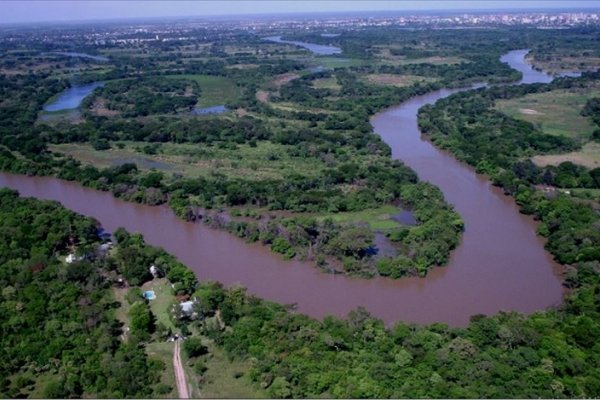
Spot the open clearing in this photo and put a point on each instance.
(388, 58)
(377, 218)
(588, 156)
(338, 62)
(326, 83)
(214, 90)
(265, 161)
(274, 85)
(556, 112)
(225, 378)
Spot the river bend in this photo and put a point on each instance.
(499, 265)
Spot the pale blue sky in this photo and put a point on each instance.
(30, 11)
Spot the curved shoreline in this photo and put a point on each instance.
(482, 278)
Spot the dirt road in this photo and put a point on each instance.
(182, 388)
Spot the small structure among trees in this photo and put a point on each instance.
(186, 309)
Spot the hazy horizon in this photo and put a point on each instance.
(73, 11)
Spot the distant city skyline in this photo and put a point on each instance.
(62, 11)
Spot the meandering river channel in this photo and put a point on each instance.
(499, 265)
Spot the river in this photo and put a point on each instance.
(84, 55)
(317, 49)
(499, 265)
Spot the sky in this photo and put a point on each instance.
(80, 10)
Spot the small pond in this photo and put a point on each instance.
(405, 217)
(220, 109)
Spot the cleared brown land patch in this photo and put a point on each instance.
(277, 82)
(262, 96)
(242, 66)
(282, 79)
(588, 156)
(529, 111)
(99, 108)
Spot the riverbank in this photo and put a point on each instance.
(483, 277)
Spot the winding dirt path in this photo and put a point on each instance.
(182, 388)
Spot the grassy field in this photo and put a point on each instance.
(436, 60)
(592, 194)
(121, 312)
(265, 161)
(163, 351)
(396, 80)
(227, 379)
(556, 112)
(377, 218)
(288, 106)
(326, 83)
(388, 58)
(338, 62)
(588, 156)
(215, 90)
(164, 299)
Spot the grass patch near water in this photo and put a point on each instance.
(588, 156)
(215, 90)
(265, 161)
(377, 218)
(557, 112)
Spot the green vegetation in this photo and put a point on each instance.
(255, 162)
(338, 62)
(326, 83)
(579, 52)
(298, 168)
(298, 151)
(377, 218)
(58, 318)
(214, 90)
(227, 377)
(557, 112)
(244, 347)
(468, 125)
(588, 156)
(396, 80)
(146, 96)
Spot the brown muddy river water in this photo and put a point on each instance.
(499, 265)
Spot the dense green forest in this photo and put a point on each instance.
(58, 333)
(60, 336)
